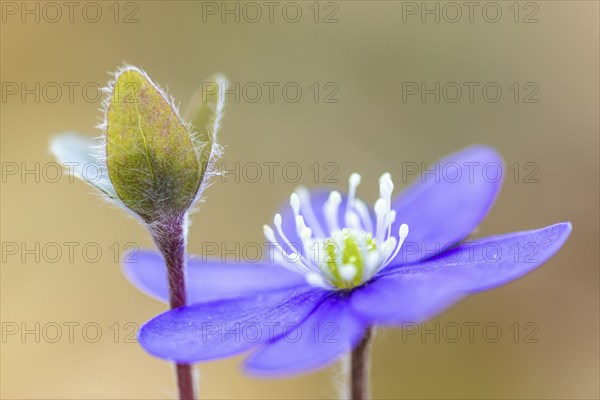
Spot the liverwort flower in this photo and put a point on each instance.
(155, 164)
(339, 267)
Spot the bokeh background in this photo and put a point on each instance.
(367, 54)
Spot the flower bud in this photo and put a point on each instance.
(157, 164)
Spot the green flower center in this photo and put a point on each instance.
(349, 256)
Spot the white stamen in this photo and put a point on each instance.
(331, 209)
(326, 272)
(380, 212)
(348, 272)
(353, 221)
(295, 203)
(305, 234)
(371, 263)
(386, 187)
(277, 221)
(386, 181)
(370, 236)
(303, 231)
(290, 261)
(402, 234)
(279, 254)
(307, 210)
(380, 207)
(353, 183)
(363, 210)
(317, 280)
(269, 233)
(388, 247)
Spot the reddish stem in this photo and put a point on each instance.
(360, 369)
(171, 240)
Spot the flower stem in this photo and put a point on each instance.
(170, 238)
(360, 368)
(185, 381)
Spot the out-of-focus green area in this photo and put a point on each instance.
(355, 113)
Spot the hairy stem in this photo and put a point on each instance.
(360, 368)
(170, 238)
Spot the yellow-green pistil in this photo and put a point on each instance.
(347, 254)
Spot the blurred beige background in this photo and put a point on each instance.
(367, 55)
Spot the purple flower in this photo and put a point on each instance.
(339, 267)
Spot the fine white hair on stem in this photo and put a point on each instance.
(341, 374)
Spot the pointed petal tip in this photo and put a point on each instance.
(565, 229)
(567, 225)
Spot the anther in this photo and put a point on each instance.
(330, 210)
